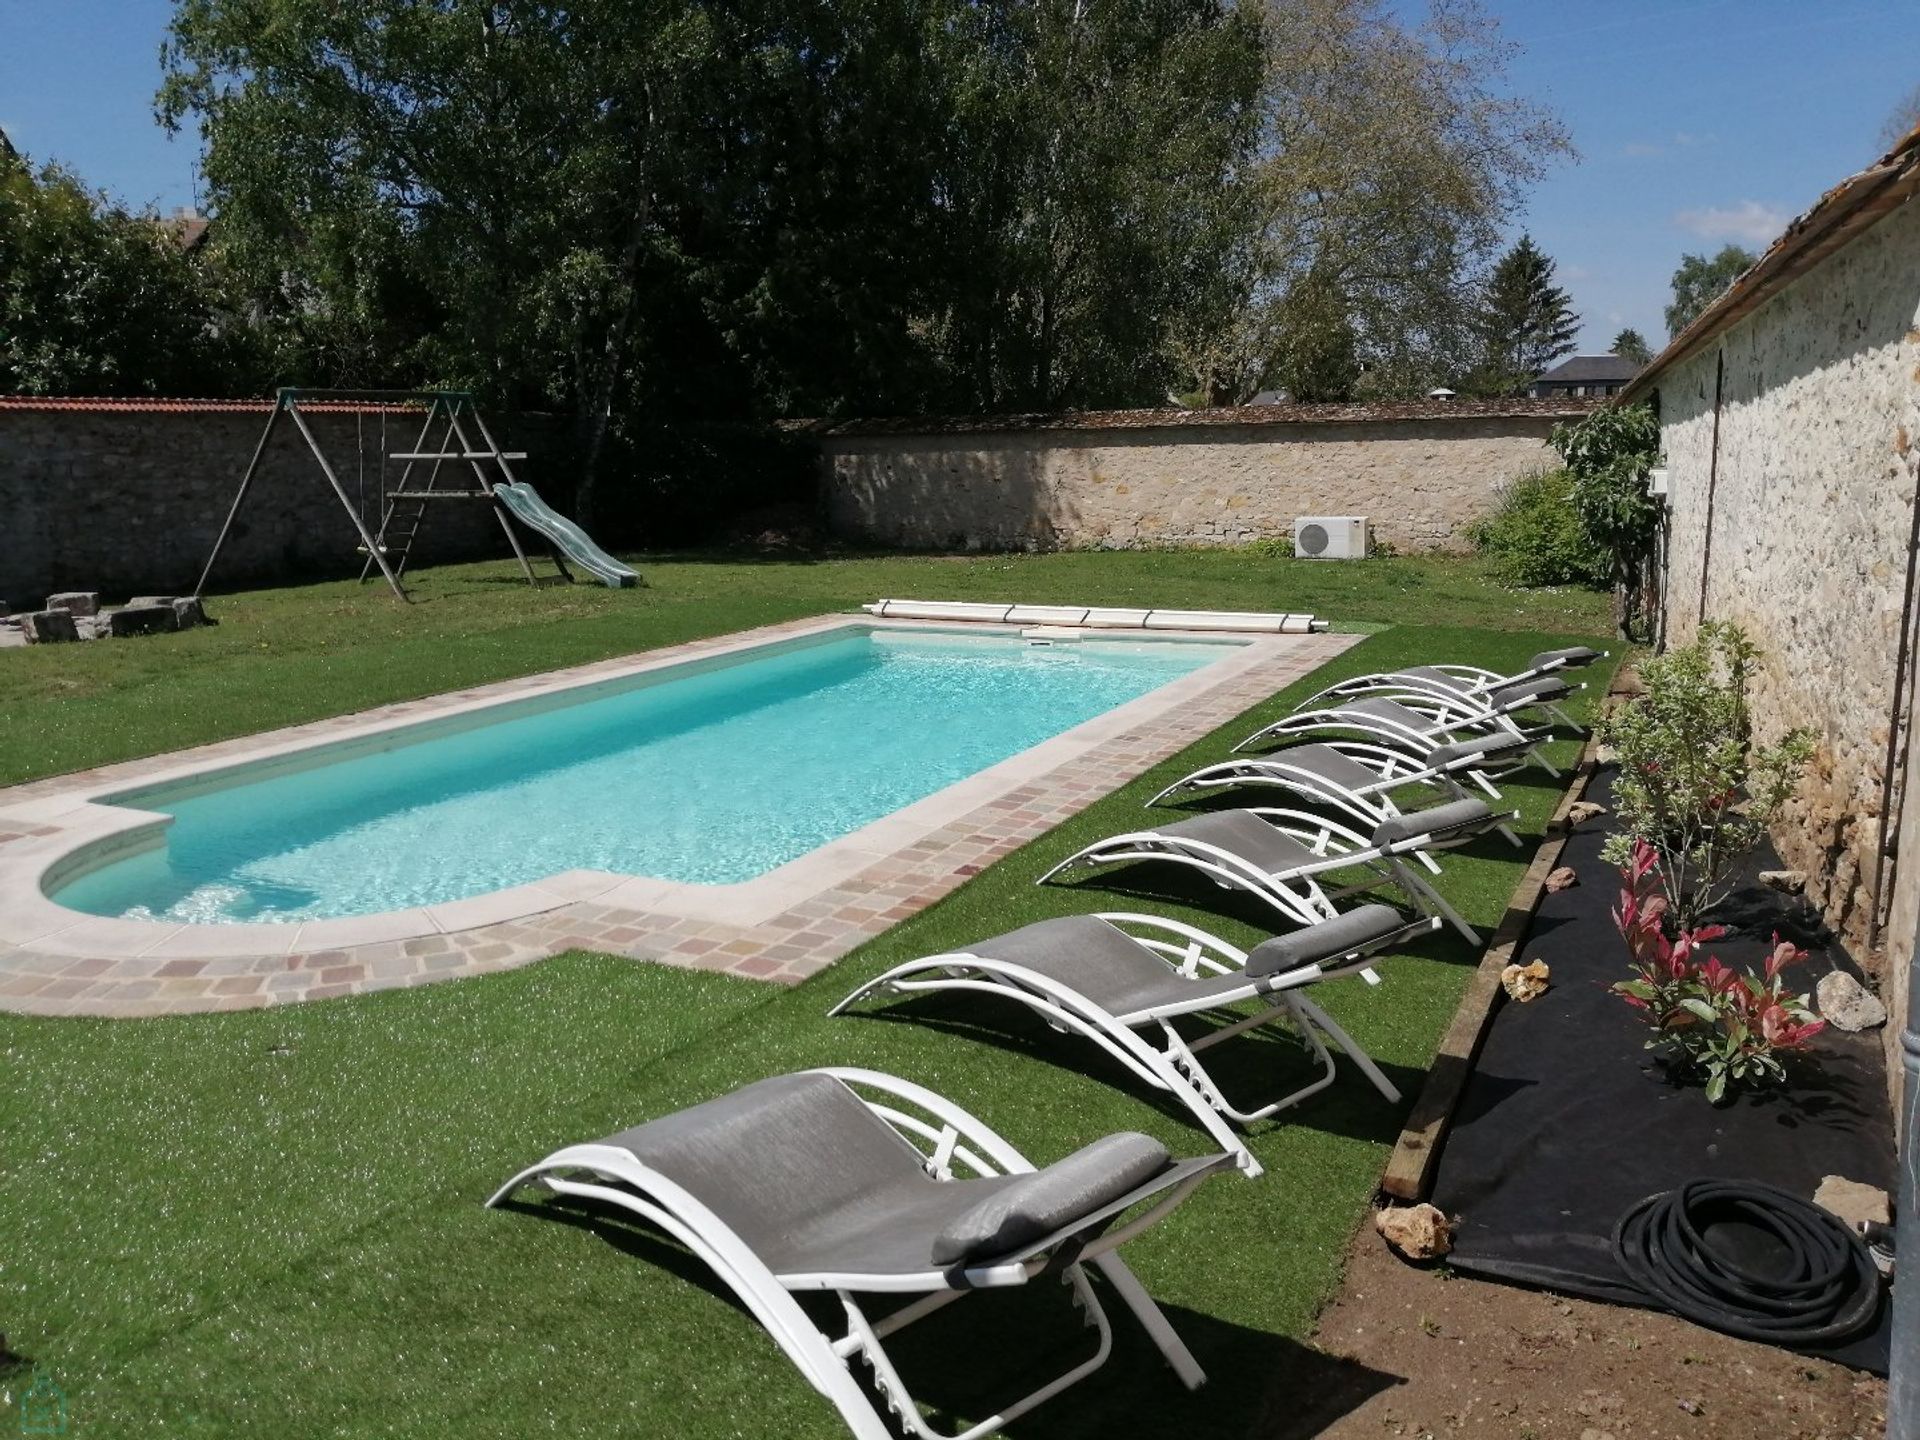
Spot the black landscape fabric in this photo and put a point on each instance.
(1567, 1119)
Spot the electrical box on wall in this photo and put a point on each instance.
(1657, 481)
(1330, 537)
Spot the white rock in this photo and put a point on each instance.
(1790, 881)
(1852, 1201)
(1419, 1232)
(1846, 1004)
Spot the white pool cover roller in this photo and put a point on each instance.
(1244, 621)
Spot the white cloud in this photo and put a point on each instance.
(1749, 222)
(1679, 140)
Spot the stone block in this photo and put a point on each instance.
(49, 627)
(189, 612)
(146, 602)
(76, 602)
(142, 620)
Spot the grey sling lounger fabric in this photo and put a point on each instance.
(1121, 980)
(802, 1183)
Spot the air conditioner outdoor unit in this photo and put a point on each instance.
(1330, 537)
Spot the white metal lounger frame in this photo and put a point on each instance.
(1370, 803)
(1474, 682)
(1175, 1066)
(951, 1136)
(1295, 892)
(1449, 720)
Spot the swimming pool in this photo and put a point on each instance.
(705, 774)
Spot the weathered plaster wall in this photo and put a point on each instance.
(1802, 538)
(1420, 482)
(130, 501)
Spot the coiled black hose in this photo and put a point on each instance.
(1750, 1260)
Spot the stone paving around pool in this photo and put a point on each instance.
(84, 968)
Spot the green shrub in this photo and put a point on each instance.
(1535, 537)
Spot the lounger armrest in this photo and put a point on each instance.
(1502, 746)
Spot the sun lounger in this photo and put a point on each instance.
(859, 1183)
(1421, 724)
(1279, 856)
(1122, 980)
(1354, 776)
(1540, 682)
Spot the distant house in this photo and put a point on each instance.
(1584, 375)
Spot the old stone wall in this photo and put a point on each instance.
(1420, 481)
(1800, 532)
(126, 501)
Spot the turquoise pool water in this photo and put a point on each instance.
(710, 777)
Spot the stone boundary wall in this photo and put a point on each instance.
(1420, 473)
(1801, 531)
(128, 500)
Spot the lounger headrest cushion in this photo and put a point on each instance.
(1539, 689)
(1569, 658)
(1490, 747)
(1439, 820)
(1029, 1207)
(1342, 935)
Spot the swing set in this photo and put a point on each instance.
(452, 429)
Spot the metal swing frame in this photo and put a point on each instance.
(458, 411)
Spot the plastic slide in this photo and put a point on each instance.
(534, 513)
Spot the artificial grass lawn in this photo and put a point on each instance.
(271, 1221)
(279, 657)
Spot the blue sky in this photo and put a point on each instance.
(1698, 121)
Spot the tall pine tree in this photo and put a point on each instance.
(1526, 322)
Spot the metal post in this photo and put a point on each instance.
(1903, 1384)
(373, 547)
(239, 498)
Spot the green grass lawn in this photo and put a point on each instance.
(271, 1221)
(280, 657)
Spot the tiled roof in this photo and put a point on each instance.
(1555, 408)
(178, 405)
(1585, 369)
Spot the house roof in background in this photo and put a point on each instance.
(1556, 408)
(1584, 369)
(1836, 218)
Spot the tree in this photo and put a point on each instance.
(1700, 281)
(97, 300)
(1525, 321)
(1390, 155)
(1629, 344)
(1902, 119)
(652, 215)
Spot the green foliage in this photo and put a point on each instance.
(1535, 536)
(1271, 547)
(1318, 359)
(1525, 322)
(1630, 344)
(1692, 784)
(644, 215)
(1609, 453)
(96, 300)
(1727, 1028)
(1699, 281)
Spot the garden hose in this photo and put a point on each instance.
(1750, 1260)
